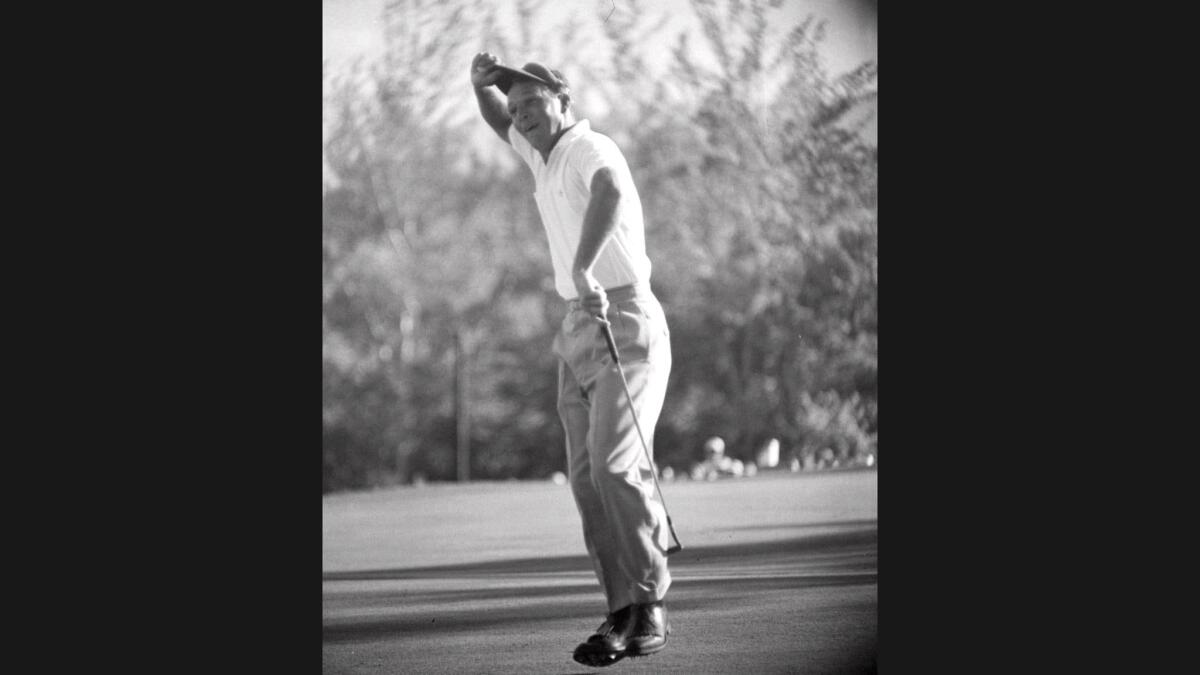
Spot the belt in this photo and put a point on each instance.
(620, 294)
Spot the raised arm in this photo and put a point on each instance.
(599, 221)
(491, 106)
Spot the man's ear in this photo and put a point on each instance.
(566, 101)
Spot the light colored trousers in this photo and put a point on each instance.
(624, 526)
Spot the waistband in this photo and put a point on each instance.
(637, 291)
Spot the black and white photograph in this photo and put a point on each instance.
(600, 336)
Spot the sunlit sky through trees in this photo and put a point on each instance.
(354, 28)
(354, 31)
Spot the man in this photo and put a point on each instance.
(716, 464)
(592, 215)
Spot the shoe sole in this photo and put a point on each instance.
(636, 652)
(598, 660)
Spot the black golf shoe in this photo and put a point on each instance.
(650, 630)
(633, 630)
(607, 645)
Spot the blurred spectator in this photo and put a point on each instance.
(768, 456)
(716, 464)
(828, 459)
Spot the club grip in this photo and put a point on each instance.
(612, 345)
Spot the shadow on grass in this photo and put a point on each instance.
(857, 536)
(855, 524)
(726, 576)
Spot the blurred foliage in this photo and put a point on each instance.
(761, 213)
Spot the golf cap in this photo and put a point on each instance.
(532, 71)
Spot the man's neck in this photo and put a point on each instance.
(566, 127)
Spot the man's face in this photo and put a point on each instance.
(537, 113)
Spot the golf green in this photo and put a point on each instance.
(778, 574)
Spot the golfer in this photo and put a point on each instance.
(592, 215)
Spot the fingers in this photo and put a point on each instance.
(592, 297)
(484, 60)
(483, 73)
(596, 304)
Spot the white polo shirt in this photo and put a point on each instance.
(563, 188)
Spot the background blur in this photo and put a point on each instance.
(750, 129)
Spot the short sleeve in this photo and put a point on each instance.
(599, 151)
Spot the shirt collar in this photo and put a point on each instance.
(580, 128)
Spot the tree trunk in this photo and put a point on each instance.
(461, 412)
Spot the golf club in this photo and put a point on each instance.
(612, 349)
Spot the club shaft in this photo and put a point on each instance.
(612, 348)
